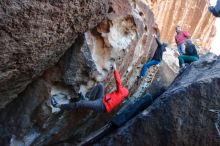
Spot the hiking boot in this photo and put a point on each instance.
(182, 68)
(54, 102)
(81, 96)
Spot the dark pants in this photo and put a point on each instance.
(186, 59)
(96, 105)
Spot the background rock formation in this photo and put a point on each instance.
(181, 115)
(192, 15)
(45, 42)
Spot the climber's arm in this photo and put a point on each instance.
(117, 77)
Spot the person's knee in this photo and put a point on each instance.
(196, 58)
(145, 65)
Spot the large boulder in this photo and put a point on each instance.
(35, 34)
(192, 15)
(181, 116)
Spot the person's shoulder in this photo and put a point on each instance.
(185, 32)
(181, 33)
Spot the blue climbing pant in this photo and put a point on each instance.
(181, 48)
(148, 65)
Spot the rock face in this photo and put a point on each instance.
(26, 112)
(45, 51)
(181, 115)
(35, 34)
(192, 15)
(118, 35)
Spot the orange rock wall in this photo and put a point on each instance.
(192, 15)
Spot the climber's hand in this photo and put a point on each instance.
(154, 35)
(114, 66)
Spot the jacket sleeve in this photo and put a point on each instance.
(158, 42)
(186, 34)
(117, 79)
(213, 11)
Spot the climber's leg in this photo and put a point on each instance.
(181, 60)
(148, 65)
(69, 106)
(181, 48)
(191, 59)
(96, 92)
(186, 58)
(96, 105)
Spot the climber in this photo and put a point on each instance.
(102, 103)
(190, 54)
(215, 10)
(161, 47)
(180, 38)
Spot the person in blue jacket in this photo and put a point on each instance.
(215, 10)
(158, 55)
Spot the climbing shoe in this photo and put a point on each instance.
(53, 101)
(82, 97)
(182, 68)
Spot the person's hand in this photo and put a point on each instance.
(114, 66)
(154, 35)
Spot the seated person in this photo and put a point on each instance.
(190, 54)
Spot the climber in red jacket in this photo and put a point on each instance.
(102, 103)
(180, 38)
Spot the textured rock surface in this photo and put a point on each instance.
(35, 34)
(26, 112)
(181, 115)
(192, 15)
(119, 35)
(125, 35)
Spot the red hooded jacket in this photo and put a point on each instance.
(111, 100)
(181, 37)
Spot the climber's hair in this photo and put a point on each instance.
(178, 27)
